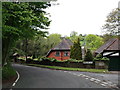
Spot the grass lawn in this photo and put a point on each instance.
(71, 69)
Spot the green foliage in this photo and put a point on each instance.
(55, 60)
(38, 46)
(75, 52)
(22, 58)
(105, 58)
(53, 40)
(100, 58)
(22, 20)
(106, 37)
(74, 36)
(113, 22)
(74, 60)
(93, 41)
(88, 55)
(8, 72)
(47, 59)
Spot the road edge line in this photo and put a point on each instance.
(16, 79)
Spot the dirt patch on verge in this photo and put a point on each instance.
(8, 83)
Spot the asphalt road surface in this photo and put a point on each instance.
(35, 77)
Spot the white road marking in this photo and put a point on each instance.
(86, 78)
(16, 79)
(65, 71)
(92, 79)
(83, 75)
(113, 85)
(103, 84)
(13, 84)
(109, 82)
(97, 82)
(74, 74)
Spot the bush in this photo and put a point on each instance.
(8, 72)
(47, 59)
(43, 59)
(105, 58)
(74, 60)
(99, 57)
(88, 55)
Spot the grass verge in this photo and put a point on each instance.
(8, 72)
(71, 69)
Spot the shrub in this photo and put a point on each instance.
(47, 59)
(99, 57)
(88, 55)
(35, 59)
(8, 71)
(74, 60)
(105, 58)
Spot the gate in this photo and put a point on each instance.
(114, 63)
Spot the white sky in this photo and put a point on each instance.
(82, 16)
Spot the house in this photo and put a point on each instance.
(61, 51)
(111, 49)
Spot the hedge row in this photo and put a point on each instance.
(53, 62)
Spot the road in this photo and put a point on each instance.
(35, 77)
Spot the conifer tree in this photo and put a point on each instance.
(88, 55)
(76, 52)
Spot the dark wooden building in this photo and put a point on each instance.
(61, 51)
(111, 49)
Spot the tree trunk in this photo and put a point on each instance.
(26, 45)
(5, 49)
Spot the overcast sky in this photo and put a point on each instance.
(82, 16)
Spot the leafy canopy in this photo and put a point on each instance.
(112, 25)
(22, 20)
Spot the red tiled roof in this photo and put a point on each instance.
(63, 45)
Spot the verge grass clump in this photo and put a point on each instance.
(8, 72)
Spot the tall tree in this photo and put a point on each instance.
(106, 37)
(75, 52)
(39, 46)
(73, 36)
(93, 41)
(112, 25)
(21, 20)
(53, 39)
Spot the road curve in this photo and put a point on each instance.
(35, 77)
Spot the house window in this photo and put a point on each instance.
(57, 53)
(65, 53)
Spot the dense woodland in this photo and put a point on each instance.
(24, 25)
